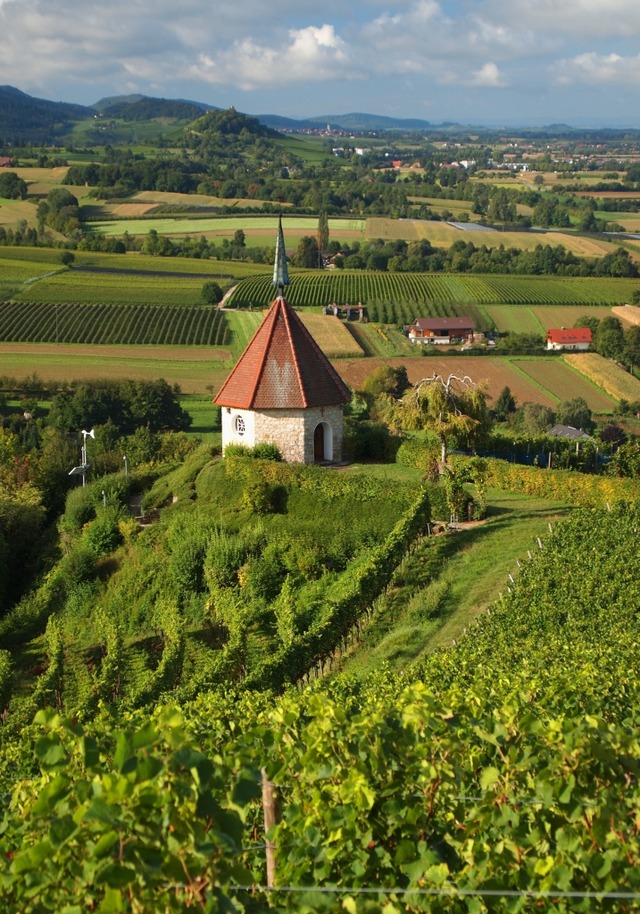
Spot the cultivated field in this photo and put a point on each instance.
(508, 319)
(604, 373)
(196, 370)
(540, 318)
(332, 336)
(314, 288)
(629, 314)
(566, 316)
(258, 230)
(493, 373)
(551, 375)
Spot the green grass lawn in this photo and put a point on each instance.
(450, 580)
(204, 417)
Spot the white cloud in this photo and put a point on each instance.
(311, 53)
(489, 76)
(599, 69)
(569, 21)
(370, 49)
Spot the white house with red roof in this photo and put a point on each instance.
(577, 338)
(283, 390)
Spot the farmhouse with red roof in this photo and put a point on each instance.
(283, 390)
(578, 338)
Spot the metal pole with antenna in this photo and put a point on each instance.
(84, 464)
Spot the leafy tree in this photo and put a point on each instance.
(501, 207)
(575, 413)
(12, 187)
(626, 460)
(609, 338)
(212, 293)
(323, 231)
(632, 347)
(454, 409)
(613, 435)
(536, 418)
(587, 321)
(306, 254)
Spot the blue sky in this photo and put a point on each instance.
(491, 62)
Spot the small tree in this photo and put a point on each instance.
(505, 404)
(306, 254)
(575, 413)
(212, 293)
(455, 409)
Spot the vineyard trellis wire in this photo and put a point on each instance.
(120, 324)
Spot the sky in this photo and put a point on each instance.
(493, 62)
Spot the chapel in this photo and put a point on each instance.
(283, 390)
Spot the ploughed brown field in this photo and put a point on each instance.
(202, 370)
(493, 373)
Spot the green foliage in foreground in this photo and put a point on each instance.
(250, 577)
(501, 776)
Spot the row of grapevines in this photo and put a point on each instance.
(42, 322)
(505, 778)
(351, 287)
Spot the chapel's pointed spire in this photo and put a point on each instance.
(280, 273)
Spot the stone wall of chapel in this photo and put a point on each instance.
(291, 430)
(285, 429)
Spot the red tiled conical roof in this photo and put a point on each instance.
(282, 368)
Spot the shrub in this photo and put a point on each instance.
(78, 566)
(367, 440)
(103, 535)
(263, 451)
(260, 496)
(79, 510)
(266, 451)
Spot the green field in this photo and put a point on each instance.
(508, 319)
(225, 226)
(553, 377)
(426, 610)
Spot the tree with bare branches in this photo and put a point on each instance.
(453, 408)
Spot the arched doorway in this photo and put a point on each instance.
(322, 443)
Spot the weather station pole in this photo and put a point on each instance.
(84, 464)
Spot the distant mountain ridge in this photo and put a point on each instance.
(29, 115)
(26, 118)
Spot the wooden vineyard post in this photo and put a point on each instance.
(271, 818)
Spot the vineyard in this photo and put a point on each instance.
(432, 293)
(42, 322)
(498, 775)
